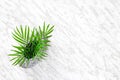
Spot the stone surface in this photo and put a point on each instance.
(85, 43)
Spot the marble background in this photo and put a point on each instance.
(85, 42)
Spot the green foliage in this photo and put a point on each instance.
(32, 43)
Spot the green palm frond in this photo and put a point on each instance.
(32, 43)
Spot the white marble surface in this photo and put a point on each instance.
(85, 42)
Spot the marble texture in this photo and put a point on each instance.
(85, 42)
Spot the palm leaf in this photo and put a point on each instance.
(44, 28)
(50, 30)
(13, 58)
(14, 54)
(40, 32)
(32, 36)
(28, 30)
(16, 51)
(25, 31)
(32, 43)
(22, 61)
(19, 48)
(22, 35)
(47, 27)
(17, 60)
(19, 39)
